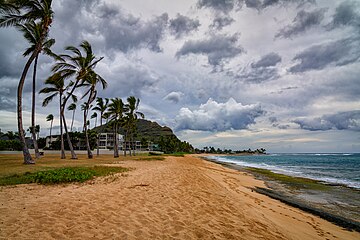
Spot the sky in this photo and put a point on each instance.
(282, 75)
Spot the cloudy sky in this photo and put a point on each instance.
(283, 75)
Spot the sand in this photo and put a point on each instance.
(179, 198)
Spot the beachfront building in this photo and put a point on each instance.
(106, 140)
(49, 140)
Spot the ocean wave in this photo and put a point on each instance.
(291, 170)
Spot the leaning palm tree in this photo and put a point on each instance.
(78, 66)
(72, 107)
(50, 118)
(91, 81)
(132, 116)
(115, 112)
(32, 32)
(57, 87)
(13, 13)
(101, 107)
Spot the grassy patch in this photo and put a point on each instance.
(150, 158)
(61, 175)
(294, 182)
(177, 154)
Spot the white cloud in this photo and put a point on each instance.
(174, 97)
(214, 116)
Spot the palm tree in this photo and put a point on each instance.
(72, 107)
(57, 87)
(13, 13)
(131, 118)
(94, 115)
(91, 80)
(32, 32)
(115, 112)
(101, 106)
(78, 66)
(49, 118)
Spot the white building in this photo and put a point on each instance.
(106, 140)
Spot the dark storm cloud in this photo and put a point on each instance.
(262, 4)
(217, 48)
(338, 53)
(183, 25)
(118, 29)
(220, 22)
(219, 5)
(214, 116)
(268, 60)
(302, 22)
(130, 80)
(258, 75)
(126, 32)
(260, 71)
(226, 6)
(341, 121)
(348, 14)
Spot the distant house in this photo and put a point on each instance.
(49, 140)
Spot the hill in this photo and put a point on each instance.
(152, 131)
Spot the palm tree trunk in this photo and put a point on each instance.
(27, 156)
(116, 143)
(98, 139)
(37, 154)
(50, 132)
(90, 155)
(61, 131)
(72, 121)
(73, 154)
(125, 145)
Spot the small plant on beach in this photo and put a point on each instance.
(61, 175)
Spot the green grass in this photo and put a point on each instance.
(294, 182)
(177, 154)
(61, 175)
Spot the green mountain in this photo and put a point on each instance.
(147, 130)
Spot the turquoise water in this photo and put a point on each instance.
(330, 168)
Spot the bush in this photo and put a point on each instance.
(14, 145)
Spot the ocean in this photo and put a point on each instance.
(337, 168)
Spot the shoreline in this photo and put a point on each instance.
(281, 192)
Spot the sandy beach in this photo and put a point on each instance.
(178, 198)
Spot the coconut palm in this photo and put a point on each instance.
(57, 87)
(94, 115)
(91, 80)
(32, 32)
(72, 107)
(15, 13)
(115, 112)
(78, 66)
(131, 118)
(50, 118)
(101, 107)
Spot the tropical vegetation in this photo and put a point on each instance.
(73, 73)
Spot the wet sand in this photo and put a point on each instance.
(179, 198)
